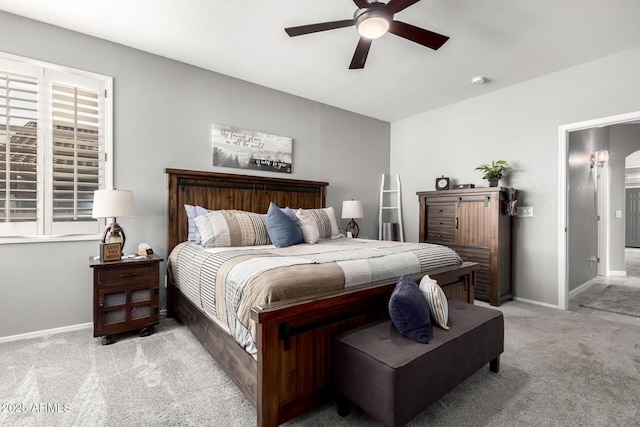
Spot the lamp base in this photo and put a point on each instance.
(114, 234)
(353, 228)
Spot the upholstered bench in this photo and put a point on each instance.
(393, 378)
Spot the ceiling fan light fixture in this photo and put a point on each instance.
(373, 22)
(373, 27)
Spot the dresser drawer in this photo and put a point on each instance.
(127, 275)
(437, 210)
(441, 222)
(441, 235)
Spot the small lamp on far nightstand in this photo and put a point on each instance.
(352, 209)
(112, 204)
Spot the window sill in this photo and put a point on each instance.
(50, 239)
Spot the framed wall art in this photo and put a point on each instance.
(247, 149)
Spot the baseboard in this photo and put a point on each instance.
(38, 334)
(544, 304)
(617, 273)
(586, 285)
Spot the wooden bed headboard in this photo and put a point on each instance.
(213, 190)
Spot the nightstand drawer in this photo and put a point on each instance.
(127, 275)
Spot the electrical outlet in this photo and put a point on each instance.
(524, 211)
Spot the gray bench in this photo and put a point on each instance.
(393, 379)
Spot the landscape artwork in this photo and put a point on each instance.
(247, 149)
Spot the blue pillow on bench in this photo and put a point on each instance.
(409, 311)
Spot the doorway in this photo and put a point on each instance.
(563, 196)
(632, 218)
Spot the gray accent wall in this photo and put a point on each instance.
(521, 125)
(163, 114)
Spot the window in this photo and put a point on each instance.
(55, 148)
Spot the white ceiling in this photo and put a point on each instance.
(507, 41)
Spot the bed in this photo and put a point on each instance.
(289, 370)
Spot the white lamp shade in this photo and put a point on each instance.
(113, 204)
(352, 209)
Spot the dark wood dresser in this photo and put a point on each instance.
(125, 296)
(476, 223)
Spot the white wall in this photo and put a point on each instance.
(164, 111)
(633, 160)
(518, 124)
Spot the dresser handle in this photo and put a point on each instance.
(456, 223)
(128, 274)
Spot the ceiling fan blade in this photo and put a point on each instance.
(360, 55)
(314, 28)
(395, 6)
(362, 3)
(418, 35)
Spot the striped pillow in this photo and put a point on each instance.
(437, 301)
(324, 221)
(224, 228)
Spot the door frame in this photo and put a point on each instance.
(563, 158)
(603, 229)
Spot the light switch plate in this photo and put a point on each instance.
(524, 211)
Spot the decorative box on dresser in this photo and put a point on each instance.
(476, 223)
(125, 296)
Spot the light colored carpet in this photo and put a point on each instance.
(613, 298)
(559, 369)
(632, 261)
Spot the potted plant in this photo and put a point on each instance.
(494, 172)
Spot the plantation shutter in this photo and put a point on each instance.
(55, 134)
(76, 152)
(18, 147)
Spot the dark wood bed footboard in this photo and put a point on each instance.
(295, 340)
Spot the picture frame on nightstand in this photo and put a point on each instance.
(110, 252)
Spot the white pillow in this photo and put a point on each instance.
(307, 223)
(437, 301)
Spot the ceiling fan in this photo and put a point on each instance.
(374, 19)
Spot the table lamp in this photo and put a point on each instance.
(112, 204)
(352, 209)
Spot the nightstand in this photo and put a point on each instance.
(125, 296)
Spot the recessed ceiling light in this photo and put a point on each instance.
(478, 80)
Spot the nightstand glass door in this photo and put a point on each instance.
(131, 307)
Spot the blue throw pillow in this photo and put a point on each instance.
(409, 311)
(282, 227)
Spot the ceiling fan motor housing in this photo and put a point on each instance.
(376, 19)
